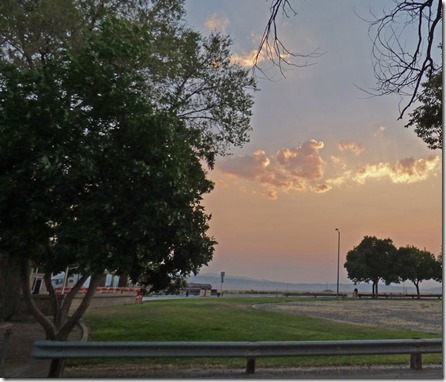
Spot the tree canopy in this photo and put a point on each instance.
(103, 180)
(416, 265)
(427, 119)
(108, 112)
(370, 260)
(184, 72)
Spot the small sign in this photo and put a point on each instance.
(222, 274)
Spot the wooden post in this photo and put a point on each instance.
(250, 365)
(416, 361)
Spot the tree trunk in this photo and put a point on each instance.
(56, 368)
(48, 326)
(103, 280)
(417, 285)
(57, 365)
(9, 287)
(67, 324)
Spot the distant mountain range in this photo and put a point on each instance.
(247, 284)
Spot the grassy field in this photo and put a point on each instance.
(234, 319)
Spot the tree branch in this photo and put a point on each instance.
(271, 45)
(48, 326)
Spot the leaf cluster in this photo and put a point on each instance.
(427, 119)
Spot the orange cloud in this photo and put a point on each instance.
(217, 22)
(379, 131)
(248, 166)
(246, 60)
(351, 146)
(303, 169)
(321, 188)
(289, 169)
(408, 170)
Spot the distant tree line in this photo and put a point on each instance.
(375, 260)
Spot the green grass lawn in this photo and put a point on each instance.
(235, 319)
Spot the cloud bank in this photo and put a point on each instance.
(408, 170)
(298, 168)
(304, 169)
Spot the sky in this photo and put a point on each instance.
(322, 153)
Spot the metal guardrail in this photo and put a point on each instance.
(44, 349)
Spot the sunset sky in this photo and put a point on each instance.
(322, 155)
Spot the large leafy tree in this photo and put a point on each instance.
(370, 261)
(93, 176)
(416, 265)
(107, 110)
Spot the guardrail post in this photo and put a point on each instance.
(250, 365)
(416, 361)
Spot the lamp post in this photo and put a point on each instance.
(337, 279)
(222, 275)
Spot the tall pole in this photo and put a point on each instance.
(222, 275)
(339, 246)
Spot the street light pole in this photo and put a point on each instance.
(337, 279)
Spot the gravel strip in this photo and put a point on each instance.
(306, 373)
(419, 315)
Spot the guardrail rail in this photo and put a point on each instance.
(45, 349)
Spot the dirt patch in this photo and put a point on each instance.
(24, 333)
(419, 315)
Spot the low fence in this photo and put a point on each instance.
(84, 290)
(315, 294)
(402, 295)
(44, 349)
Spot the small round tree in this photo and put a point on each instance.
(415, 265)
(371, 261)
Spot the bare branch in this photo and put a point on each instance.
(400, 64)
(272, 47)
